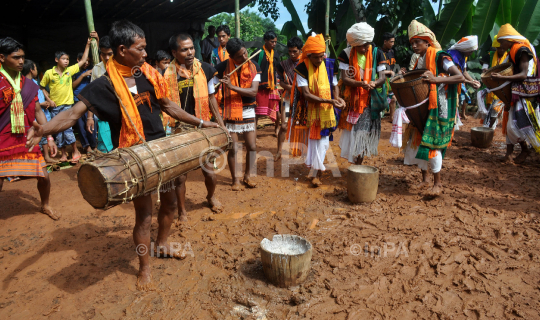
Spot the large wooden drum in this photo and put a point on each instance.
(505, 69)
(124, 174)
(410, 90)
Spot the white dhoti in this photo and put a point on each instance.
(316, 152)
(435, 163)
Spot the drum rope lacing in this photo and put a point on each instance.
(136, 157)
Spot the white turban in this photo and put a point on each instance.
(466, 44)
(360, 34)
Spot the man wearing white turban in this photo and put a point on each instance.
(362, 71)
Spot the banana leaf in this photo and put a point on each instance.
(529, 19)
(466, 27)
(428, 17)
(294, 17)
(346, 22)
(289, 30)
(517, 6)
(504, 15)
(451, 20)
(486, 12)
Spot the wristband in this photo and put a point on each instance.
(50, 139)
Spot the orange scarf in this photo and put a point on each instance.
(233, 100)
(222, 53)
(270, 58)
(360, 96)
(200, 87)
(117, 73)
(431, 65)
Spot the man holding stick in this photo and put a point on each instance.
(191, 85)
(131, 97)
(240, 78)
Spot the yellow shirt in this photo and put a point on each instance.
(61, 87)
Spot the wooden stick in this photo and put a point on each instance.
(253, 55)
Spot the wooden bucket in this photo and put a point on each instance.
(124, 174)
(410, 89)
(505, 69)
(286, 259)
(482, 137)
(362, 183)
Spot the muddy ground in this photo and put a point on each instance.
(473, 253)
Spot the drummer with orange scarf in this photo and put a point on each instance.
(520, 120)
(138, 87)
(313, 82)
(191, 86)
(238, 104)
(427, 149)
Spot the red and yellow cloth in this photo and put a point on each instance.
(17, 108)
(117, 73)
(22, 165)
(200, 88)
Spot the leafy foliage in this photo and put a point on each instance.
(252, 25)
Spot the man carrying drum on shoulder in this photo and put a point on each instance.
(130, 97)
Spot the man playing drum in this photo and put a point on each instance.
(427, 149)
(520, 120)
(131, 97)
(191, 85)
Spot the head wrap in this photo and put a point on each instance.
(417, 30)
(360, 34)
(495, 43)
(507, 32)
(466, 44)
(314, 44)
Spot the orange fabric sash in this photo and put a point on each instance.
(270, 58)
(233, 100)
(200, 87)
(431, 65)
(359, 95)
(223, 55)
(117, 73)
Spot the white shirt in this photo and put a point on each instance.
(302, 82)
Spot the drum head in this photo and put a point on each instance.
(93, 186)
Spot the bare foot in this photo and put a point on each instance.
(49, 160)
(434, 192)
(215, 205)
(144, 280)
(165, 251)
(522, 156)
(506, 158)
(182, 217)
(316, 182)
(421, 186)
(237, 186)
(63, 158)
(277, 156)
(249, 183)
(50, 212)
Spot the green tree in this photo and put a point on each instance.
(252, 25)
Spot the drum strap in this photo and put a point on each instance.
(136, 157)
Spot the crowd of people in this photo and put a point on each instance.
(308, 96)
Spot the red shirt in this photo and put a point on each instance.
(11, 143)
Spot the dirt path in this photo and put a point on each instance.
(471, 254)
